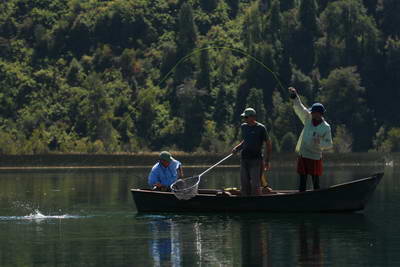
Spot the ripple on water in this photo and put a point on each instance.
(38, 216)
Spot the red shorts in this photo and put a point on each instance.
(309, 166)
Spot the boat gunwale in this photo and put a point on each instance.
(278, 193)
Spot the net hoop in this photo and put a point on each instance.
(185, 189)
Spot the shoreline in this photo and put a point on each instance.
(134, 161)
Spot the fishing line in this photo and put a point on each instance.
(211, 48)
(221, 48)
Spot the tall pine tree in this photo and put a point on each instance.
(306, 35)
(391, 18)
(186, 42)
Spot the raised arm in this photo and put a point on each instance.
(301, 111)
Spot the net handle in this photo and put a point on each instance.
(216, 164)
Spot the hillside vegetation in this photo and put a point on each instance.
(103, 76)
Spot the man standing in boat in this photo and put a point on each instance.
(165, 172)
(315, 137)
(252, 163)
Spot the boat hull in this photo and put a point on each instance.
(347, 197)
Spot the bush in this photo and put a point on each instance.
(288, 143)
(392, 141)
(97, 147)
(342, 141)
(8, 143)
(39, 142)
(275, 143)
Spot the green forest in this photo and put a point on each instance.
(96, 76)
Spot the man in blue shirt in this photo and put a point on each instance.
(165, 172)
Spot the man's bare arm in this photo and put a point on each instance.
(237, 147)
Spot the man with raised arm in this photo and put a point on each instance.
(315, 137)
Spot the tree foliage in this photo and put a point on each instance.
(132, 75)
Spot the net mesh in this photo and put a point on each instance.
(185, 189)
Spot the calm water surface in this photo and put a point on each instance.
(88, 218)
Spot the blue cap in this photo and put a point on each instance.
(317, 107)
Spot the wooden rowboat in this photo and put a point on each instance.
(346, 197)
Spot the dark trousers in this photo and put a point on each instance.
(250, 174)
(303, 182)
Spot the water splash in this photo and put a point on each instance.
(38, 216)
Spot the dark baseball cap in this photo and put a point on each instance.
(317, 107)
(165, 155)
(249, 112)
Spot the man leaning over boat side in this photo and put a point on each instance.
(314, 139)
(165, 172)
(252, 163)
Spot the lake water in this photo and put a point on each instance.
(88, 218)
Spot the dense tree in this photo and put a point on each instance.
(192, 110)
(260, 73)
(372, 6)
(303, 82)
(390, 18)
(234, 6)
(252, 26)
(350, 35)
(264, 5)
(204, 76)
(306, 35)
(308, 15)
(79, 38)
(390, 92)
(222, 112)
(255, 100)
(209, 5)
(342, 141)
(286, 5)
(388, 141)
(343, 94)
(75, 73)
(322, 4)
(288, 143)
(275, 21)
(125, 75)
(147, 114)
(186, 42)
(99, 113)
(283, 118)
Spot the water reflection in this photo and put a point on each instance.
(310, 245)
(165, 245)
(255, 243)
(186, 241)
(321, 237)
(254, 239)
